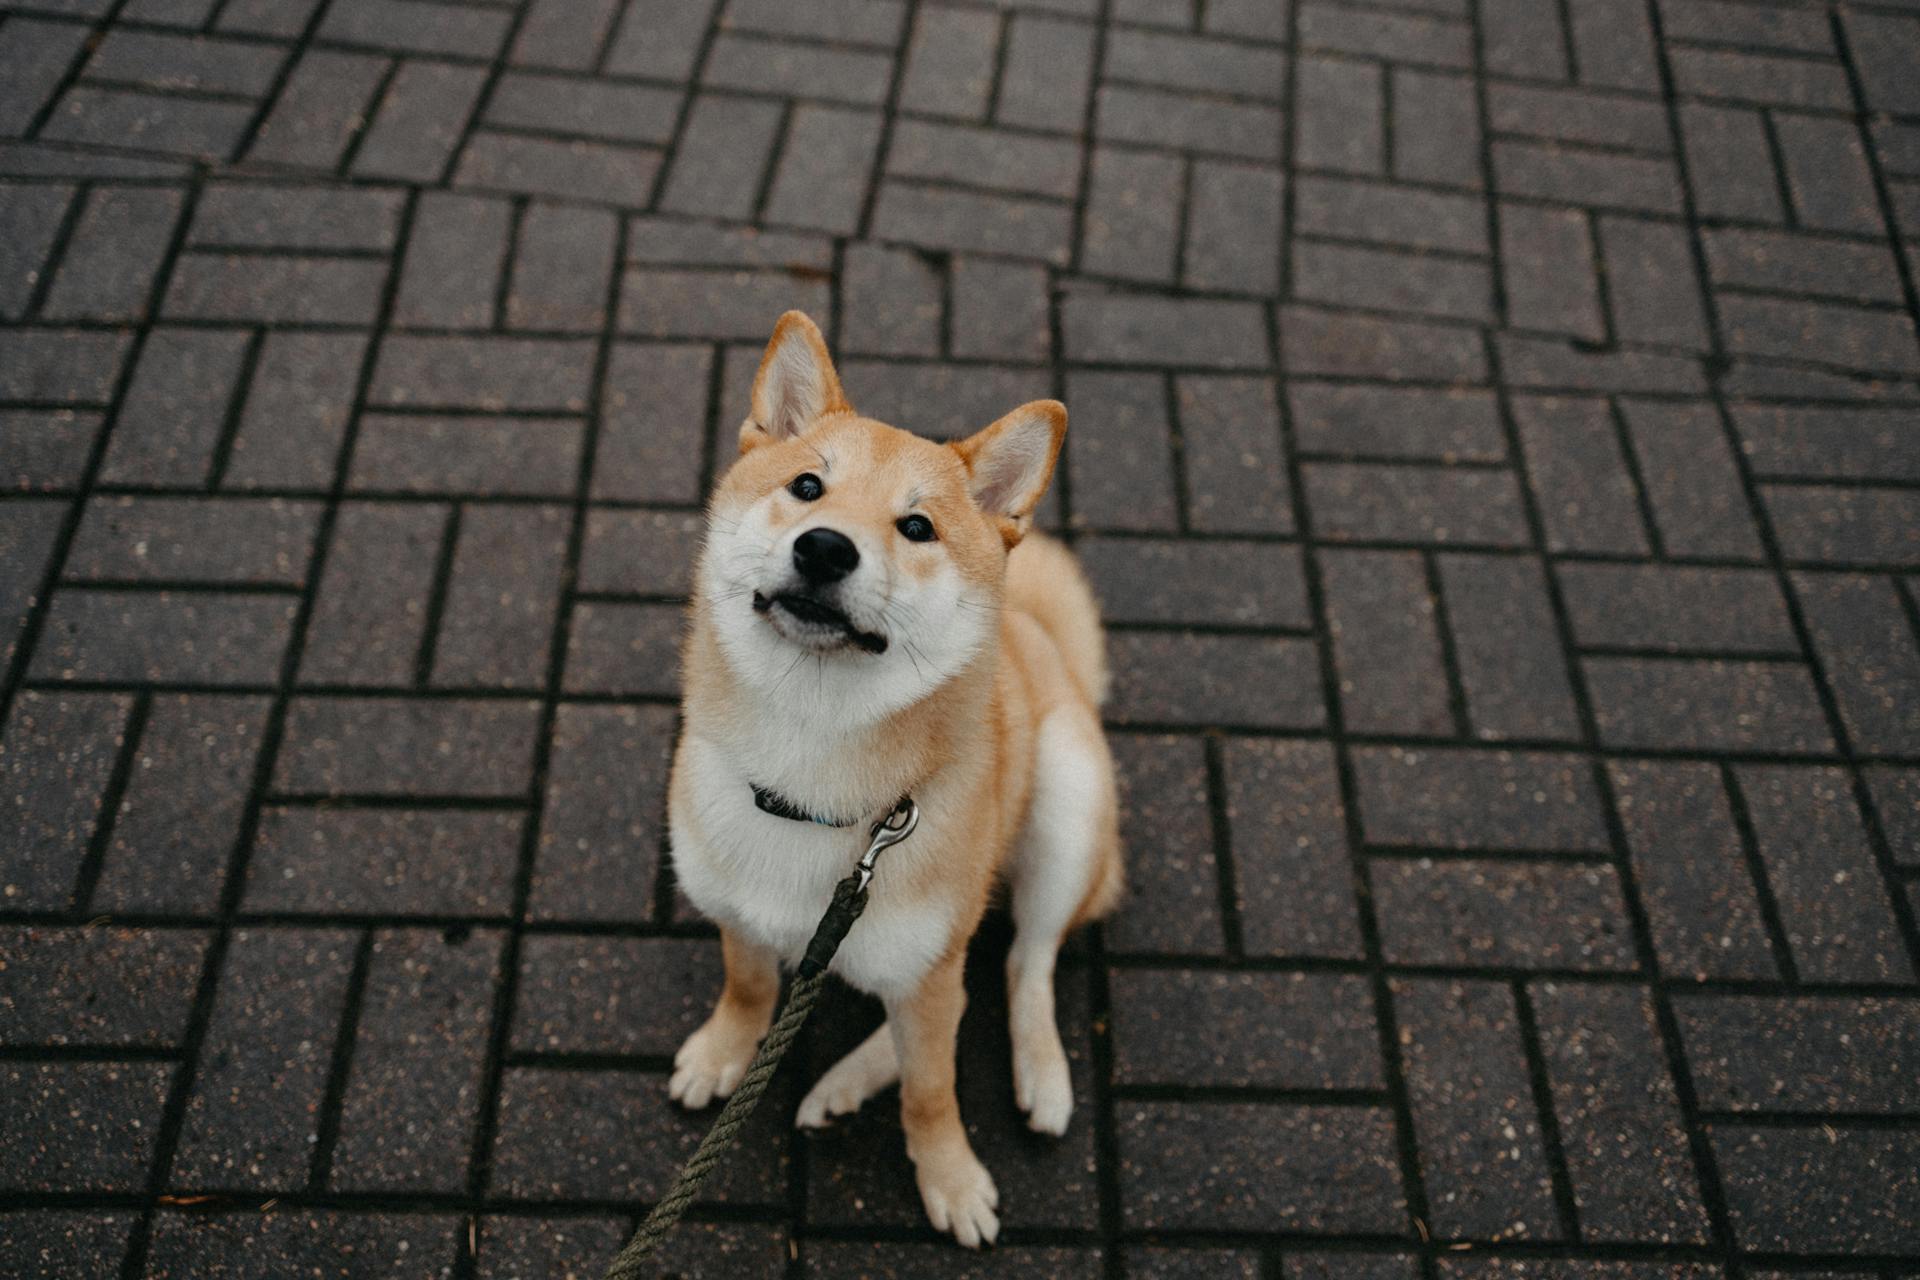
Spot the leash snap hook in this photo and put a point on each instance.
(887, 832)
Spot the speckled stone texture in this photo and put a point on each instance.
(1495, 448)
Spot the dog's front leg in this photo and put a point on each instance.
(711, 1062)
(955, 1187)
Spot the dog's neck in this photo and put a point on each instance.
(818, 752)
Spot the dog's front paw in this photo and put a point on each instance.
(1043, 1086)
(711, 1063)
(959, 1195)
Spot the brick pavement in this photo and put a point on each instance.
(1496, 443)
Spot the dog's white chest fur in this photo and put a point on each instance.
(772, 878)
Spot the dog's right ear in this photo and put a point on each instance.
(796, 384)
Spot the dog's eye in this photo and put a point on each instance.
(915, 528)
(806, 486)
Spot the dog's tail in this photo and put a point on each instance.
(1045, 582)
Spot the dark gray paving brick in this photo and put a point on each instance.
(1046, 74)
(1308, 1031)
(186, 797)
(497, 622)
(267, 17)
(1863, 526)
(1015, 162)
(1233, 228)
(454, 261)
(514, 1246)
(1870, 655)
(1885, 46)
(419, 1058)
(1506, 647)
(465, 30)
(613, 995)
(80, 1126)
(725, 146)
(605, 808)
(659, 38)
(448, 453)
(193, 128)
(1121, 461)
(1730, 163)
(97, 986)
(166, 637)
(275, 290)
(297, 406)
(950, 62)
(205, 64)
(170, 422)
(30, 218)
(1793, 263)
(291, 1241)
(626, 649)
(1146, 1262)
(1380, 616)
(1601, 180)
(1619, 1117)
(892, 302)
(592, 109)
(1835, 442)
(1802, 1053)
(407, 746)
(371, 611)
(1556, 364)
(37, 54)
(773, 66)
(1465, 798)
(1834, 905)
(1287, 828)
(1398, 37)
(1597, 118)
(1821, 1189)
(1230, 442)
(653, 418)
(1702, 910)
(1651, 283)
(27, 540)
(824, 145)
(1442, 505)
(1896, 794)
(1142, 329)
(1464, 913)
(1156, 117)
(1739, 76)
(64, 1242)
(262, 216)
(260, 541)
(620, 175)
(1340, 116)
(1585, 493)
(1388, 280)
(1194, 63)
(1301, 1264)
(1338, 344)
(483, 373)
(1482, 1155)
(56, 756)
(327, 98)
(1550, 270)
(1826, 173)
(640, 552)
(1166, 581)
(1691, 480)
(1435, 128)
(669, 303)
(254, 1112)
(1392, 422)
(846, 1260)
(631, 1140)
(332, 861)
(1706, 705)
(562, 33)
(108, 269)
(1409, 216)
(1131, 226)
(1524, 40)
(1848, 336)
(967, 221)
(1202, 679)
(1253, 1166)
(1173, 897)
(1676, 609)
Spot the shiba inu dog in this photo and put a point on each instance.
(872, 619)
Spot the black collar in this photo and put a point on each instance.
(780, 807)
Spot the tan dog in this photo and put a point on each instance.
(870, 621)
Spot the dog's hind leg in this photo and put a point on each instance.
(1065, 871)
(851, 1081)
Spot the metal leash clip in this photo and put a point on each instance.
(887, 832)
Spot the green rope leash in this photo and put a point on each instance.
(849, 900)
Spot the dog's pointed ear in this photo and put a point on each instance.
(796, 384)
(1009, 463)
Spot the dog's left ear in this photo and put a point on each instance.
(1010, 463)
(796, 385)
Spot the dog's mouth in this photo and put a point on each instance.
(819, 620)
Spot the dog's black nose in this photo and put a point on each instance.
(824, 555)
